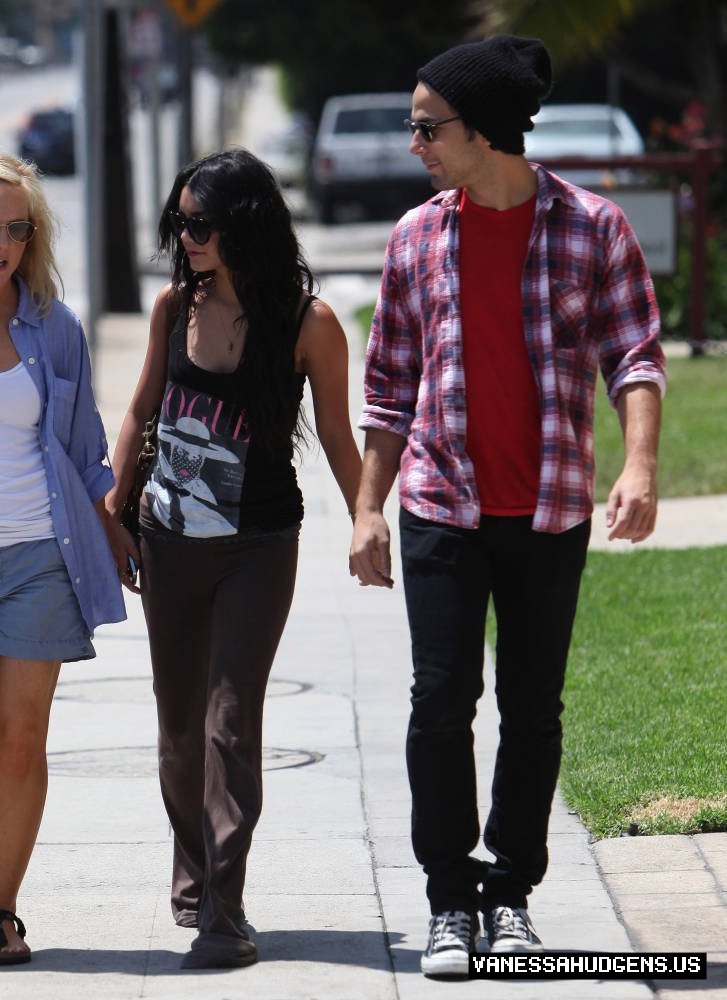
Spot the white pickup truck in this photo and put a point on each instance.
(361, 157)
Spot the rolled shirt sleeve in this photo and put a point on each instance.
(391, 382)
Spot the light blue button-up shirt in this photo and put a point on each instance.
(74, 449)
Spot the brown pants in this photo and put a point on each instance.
(215, 611)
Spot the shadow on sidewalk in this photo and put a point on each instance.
(366, 949)
(716, 980)
(94, 960)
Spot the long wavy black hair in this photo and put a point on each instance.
(239, 195)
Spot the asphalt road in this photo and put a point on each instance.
(349, 248)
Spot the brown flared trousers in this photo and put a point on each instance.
(215, 611)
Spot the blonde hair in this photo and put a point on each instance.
(37, 267)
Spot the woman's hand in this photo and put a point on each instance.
(123, 547)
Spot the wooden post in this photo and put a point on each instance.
(698, 284)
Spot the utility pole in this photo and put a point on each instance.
(146, 47)
(91, 163)
(121, 275)
(190, 14)
(185, 150)
(111, 268)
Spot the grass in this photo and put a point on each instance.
(692, 453)
(364, 315)
(646, 698)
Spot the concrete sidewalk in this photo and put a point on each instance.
(333, 890)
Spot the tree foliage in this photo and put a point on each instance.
(571, 29)
(337, 46)
(672, 51)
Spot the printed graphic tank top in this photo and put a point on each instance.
(210, 477)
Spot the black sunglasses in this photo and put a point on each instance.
(19, 231)
(200, 229)
(427, 128)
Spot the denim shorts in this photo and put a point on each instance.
(40, 618)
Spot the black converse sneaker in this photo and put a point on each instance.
(510, 930)
(452, 936)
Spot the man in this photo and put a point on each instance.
(500, 298)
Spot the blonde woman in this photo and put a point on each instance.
(58, 579)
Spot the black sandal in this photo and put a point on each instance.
(12, 957)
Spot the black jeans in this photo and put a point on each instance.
(449, 574)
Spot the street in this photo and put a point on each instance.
(44, 87)
(347, 248)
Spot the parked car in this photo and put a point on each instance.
(594, 130)
(48, 139)
(14, 53)
(361, 157)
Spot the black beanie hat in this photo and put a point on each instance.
(495, 85)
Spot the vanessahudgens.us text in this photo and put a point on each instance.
(590, 965)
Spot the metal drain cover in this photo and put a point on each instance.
(141, 762)
(138, 690)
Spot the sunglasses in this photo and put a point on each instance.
(19, 231)
(427, 128)
(199, 229)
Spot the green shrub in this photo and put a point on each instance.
(674, 292)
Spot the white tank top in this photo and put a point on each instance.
(24, 503)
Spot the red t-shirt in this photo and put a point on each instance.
(503, 412)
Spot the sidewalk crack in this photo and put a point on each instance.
(147, 962)
(367, 835)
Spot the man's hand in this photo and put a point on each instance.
(370, 556)
(631, 507)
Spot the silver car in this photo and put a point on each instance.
(595, 130)
(361, 157)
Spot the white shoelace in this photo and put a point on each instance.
(451, 930)
(512, 922)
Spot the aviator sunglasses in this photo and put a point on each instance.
(427, 128)
(19, 231)
(198, 228)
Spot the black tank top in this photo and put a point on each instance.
(211, 478)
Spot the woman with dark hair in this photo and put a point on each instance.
(58, 579)
(232, 340)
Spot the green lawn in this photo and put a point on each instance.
(693, 451)
(646, 698)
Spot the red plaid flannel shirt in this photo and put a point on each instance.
(588, 302)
